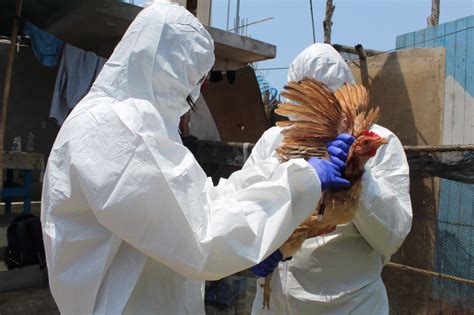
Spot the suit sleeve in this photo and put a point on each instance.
(385, 215)
(151, 193)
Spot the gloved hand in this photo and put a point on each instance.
(329, 174)
(338, 149)
(266, 267)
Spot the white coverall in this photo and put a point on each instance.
(339, 273)
(131, 223)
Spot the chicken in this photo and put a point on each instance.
(318, 117)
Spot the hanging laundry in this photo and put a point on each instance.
(46, 47)
(77, 71)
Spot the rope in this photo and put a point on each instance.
(438, 148)
(430, 273)
(443, 221)
(408, 148)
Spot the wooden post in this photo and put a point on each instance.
(6, 85)
(327, 23)
(364, 71)
(361, 52)
(353, 50)
(433, 19)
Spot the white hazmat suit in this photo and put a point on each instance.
(131, 223)
(339, 273)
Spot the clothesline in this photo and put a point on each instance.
(76, 73)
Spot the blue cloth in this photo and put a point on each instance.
(76, 74)
(46, 47)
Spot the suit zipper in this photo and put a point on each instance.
(285, 288)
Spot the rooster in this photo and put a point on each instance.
(318, 116)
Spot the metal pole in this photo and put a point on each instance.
(228, 14)
(7, 83)
(312, 20)
(237, 17)
(252, 23)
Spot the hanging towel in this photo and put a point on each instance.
(77, 71)
(46, 47)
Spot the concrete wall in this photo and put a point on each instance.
(203, 10)
(408, 86)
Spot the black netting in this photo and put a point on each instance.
(433, 271)
(450, 162)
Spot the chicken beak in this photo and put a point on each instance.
(382, 141)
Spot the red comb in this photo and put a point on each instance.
(369, 133)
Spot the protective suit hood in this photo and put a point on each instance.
(321, 62)
(161, 58)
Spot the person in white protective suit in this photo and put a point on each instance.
(131, 223)
(339, 272)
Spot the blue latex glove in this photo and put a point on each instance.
(329, 174)
(338, 149)
(267, 266)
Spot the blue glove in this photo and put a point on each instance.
(329, 174)
(267, 266)
(338, 149)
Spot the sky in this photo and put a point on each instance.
(372, 23)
